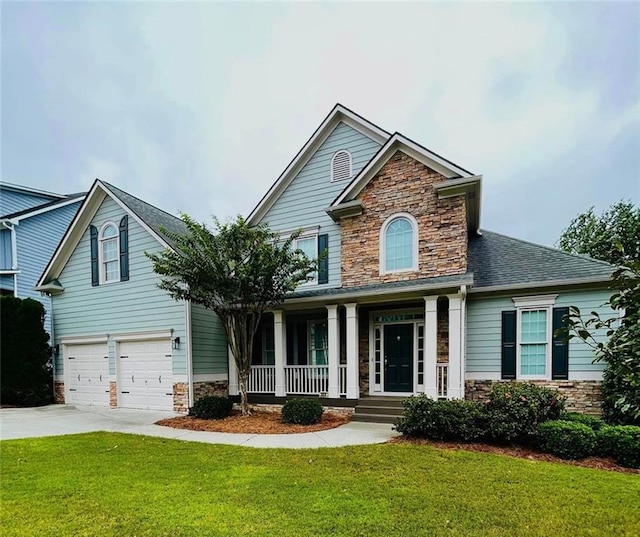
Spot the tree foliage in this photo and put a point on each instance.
(621, 349)
(26, 373)
(237, 271)
(600, 236)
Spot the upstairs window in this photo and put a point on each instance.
(309, 246)
(341, 165)
(109, 254)
(399, 244)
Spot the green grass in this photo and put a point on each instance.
(124, 485)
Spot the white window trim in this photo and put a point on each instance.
(103, 279)
(306, 236)
(383, 243)
(534, 303)
(333, 158)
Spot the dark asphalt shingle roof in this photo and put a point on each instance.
(496, 259)
(152, 216)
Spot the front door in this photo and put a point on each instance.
(398, 358)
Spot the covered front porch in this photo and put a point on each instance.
(374, 347)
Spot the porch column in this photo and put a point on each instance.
(430, 346)
(333, 343)
(353, 385)
(233, 374)
(279, 347)
(455, 390)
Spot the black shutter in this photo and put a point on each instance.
(124, 249)
(323, 263)
(508, 344)
(95, 269)
(560, 349)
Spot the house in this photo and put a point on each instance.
(32, 223)
(120, 340)
(411, 296)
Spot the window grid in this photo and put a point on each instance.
(318, 343)
(309, 245)
(377, 354)
(109, 253)
(421, 354)
(533, 342)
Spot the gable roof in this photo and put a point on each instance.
(338, 114)
(29, 190)
(149, 217)
(45, 207)
(501, 262)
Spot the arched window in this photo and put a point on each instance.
(399, 244)
(109, 254)
(341, 165)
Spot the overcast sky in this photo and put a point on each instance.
(198, 107)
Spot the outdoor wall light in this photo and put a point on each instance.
(175, 343)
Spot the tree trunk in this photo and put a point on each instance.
(243, 377)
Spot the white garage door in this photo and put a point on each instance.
(145, 374)
(87, 377)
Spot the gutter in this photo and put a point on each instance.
(533, 285)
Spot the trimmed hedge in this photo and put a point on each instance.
(622, 442)
(593, 422)
(442, 420)
(302, 411)
(566, 439)
(515, 409)
(211, 407)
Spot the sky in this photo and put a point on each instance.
(198, 107)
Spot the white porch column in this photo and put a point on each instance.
(333, 342)
(455, 389)
(233, 374)
(353, 384)
(279, 347)
(430, 345)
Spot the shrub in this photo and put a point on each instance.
(302, 411)
(515, 409)
(211, 407)
(614, 386)
(622, 442)
(442, 420)
(590, 421)
(567, 439)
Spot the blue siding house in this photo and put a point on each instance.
(32, 223)
(119, 340)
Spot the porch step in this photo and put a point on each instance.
(373, 418)
(378, 409)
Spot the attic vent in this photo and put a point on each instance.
(341, 165)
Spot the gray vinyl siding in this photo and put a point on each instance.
(484, 336)
(132, 306)
(304, 202)
(37, 239)
(208, 342)
(6, 256)
(12, 201)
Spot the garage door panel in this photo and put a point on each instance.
(87, 374)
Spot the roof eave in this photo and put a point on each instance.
(471, 187)
(599, 281)
(345, 210)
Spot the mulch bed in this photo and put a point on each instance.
(256, 423)
(520, 452)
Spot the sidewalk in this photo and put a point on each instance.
(55, 420)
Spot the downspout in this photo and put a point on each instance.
(14, 253)
(187, 313)
(463, 338)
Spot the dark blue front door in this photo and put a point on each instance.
(398, 358)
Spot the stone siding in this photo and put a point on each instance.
(346, 410)
(405, 185)
(203, 389)
(582, 395)
(58, 395)
(181, 397)
(363, 352)
(113, 394)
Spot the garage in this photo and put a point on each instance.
(87, 372)
(145, 374)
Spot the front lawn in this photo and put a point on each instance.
(117, 484)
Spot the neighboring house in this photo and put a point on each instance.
(411, 296)
(119, 339)
(32, 223)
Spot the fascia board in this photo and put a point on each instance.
(37, 212)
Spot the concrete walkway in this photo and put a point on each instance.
(55, 420)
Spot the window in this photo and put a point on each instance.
(399, 244)
(341, 165)
(309, 246)
(533, 336)
(109, 254)
(268, 345)
(318, 343)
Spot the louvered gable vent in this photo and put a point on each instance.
(341, 165)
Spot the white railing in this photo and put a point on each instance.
(442, 379)
(307, 379)
(342, 376)
(262, 379)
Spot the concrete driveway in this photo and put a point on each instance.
(55, 420)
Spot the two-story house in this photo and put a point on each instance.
(411, 295)
(32, 223)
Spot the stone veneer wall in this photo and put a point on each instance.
(582, 395)
(58, 395)
(113, 394)
(264, 407)
(405, 185)
(203, 389)
(181, 397)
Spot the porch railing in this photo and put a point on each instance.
(306, 379)
(442, 379)
(342, 375)
(262, 379)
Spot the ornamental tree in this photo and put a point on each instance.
(237, 271)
